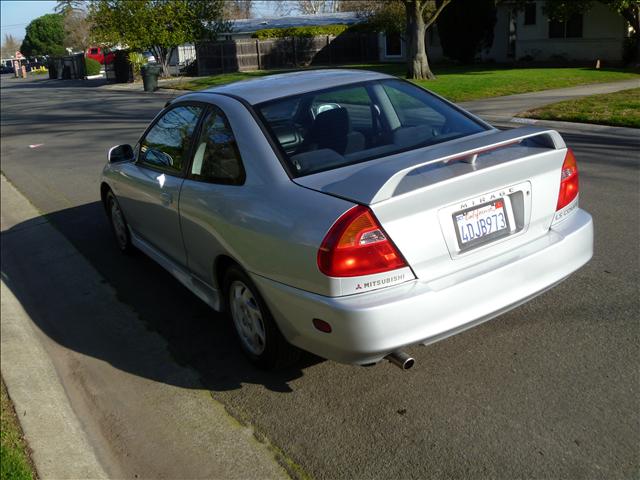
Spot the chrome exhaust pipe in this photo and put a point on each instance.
(401, 360)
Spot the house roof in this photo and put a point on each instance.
(252, 25)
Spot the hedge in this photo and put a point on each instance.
(92, 66)
(301, 31)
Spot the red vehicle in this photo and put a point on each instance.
(98, 53)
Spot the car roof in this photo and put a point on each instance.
(281, 85)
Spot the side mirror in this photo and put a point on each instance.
(121, 153)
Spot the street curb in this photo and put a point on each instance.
(59, 444)
(591, 128)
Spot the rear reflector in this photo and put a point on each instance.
(357, 245)
(568, 180)
(322, 325)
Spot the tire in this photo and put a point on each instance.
(258, 335)
(118, 223)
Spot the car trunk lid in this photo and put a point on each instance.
(419, 196)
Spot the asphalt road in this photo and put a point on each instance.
(548, 390)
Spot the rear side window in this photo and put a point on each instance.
(332, 128)
(166, 146)
(217, 158)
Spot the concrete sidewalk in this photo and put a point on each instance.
(105, 398)
(504, 109)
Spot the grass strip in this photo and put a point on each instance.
(457, 83)
(620, 109)
(15, 463)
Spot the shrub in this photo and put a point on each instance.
(137, 60)
(91, 66)
(300, 31)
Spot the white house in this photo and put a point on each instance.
(528, 34)
(392, 48)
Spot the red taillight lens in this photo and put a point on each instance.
(568, 180)
(357, 245)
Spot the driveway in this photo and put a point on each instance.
(548, 390)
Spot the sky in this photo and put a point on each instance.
(15, 15)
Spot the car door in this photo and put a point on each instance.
(211, 194)
(150, 194)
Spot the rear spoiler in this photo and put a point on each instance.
(377, 180)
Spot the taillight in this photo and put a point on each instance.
(357, 245)
(568, 180)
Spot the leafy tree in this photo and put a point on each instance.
(9, 46)
(44, 36)
(157, 25)
(413, 18)
(466, 27)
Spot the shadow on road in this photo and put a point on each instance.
(195, 335)
(40, 81)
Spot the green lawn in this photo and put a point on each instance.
(459, 83)
(14, 457)
(620, 109)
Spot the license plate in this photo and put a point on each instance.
(480, 224)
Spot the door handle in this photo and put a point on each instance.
(166, 198)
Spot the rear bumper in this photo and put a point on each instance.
(368, 326)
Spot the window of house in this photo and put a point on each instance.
(574, 27)
(166, 145)
(393, 45)
(530, 14)
(571, 28)
(217, 158)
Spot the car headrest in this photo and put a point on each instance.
(332, 123)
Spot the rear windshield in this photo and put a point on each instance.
(328, 129)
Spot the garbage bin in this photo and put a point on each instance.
(150, 75)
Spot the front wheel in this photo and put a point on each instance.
(118, 223)
(257, 332)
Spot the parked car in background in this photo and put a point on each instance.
(99, 54)
(149, 56)
(347, 213)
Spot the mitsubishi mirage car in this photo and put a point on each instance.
(346, 213)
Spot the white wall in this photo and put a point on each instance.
(434, 49)
(603, 33)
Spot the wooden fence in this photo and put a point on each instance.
(254, 54)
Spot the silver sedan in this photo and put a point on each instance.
(346, 213)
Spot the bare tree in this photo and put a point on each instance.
(305, 7)
(65, 7)
(283, 8)
(315, 7)
(237, 9)
(9, 46)
(77, 29)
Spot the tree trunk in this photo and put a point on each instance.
(417, 61)
(163, 56)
